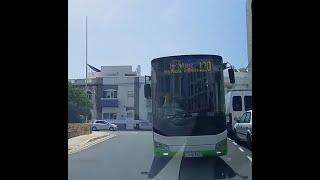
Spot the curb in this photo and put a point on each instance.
(90, 142)
(95, 138)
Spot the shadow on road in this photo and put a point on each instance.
(244, 144)
(241, 143)
(196, 168)
(157, 165)
(205, 168)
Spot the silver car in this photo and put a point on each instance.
(103, 125)
(243, 128)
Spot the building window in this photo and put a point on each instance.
(110, 93)
(89, 94)
(129, 114)
(130, 93)
(148, 102)
(109, 115)
(149, 116)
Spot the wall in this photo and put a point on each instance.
(115, 70)
(124, 84)
(143, 102)
(77, 129)
(242, 81)
(249, 39)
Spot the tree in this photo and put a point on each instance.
(79, 105)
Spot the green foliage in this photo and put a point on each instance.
(79, 105)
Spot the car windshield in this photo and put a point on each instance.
(151, 92)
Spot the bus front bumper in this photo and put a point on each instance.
(221, 151)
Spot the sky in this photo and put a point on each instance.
(133, 32)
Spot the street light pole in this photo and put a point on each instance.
(86, 58)
(86, 65)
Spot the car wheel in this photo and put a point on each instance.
(249, 141)
(111, 128)
(94, 128)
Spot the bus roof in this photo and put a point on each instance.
(241, 90)
(214, 57)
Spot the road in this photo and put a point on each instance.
(129, 156)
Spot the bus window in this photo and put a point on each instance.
(237, 103)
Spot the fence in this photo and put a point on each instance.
(77, 129)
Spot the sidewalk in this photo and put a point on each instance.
(80, 143)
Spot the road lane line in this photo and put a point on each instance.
(234, 143)
(241, 149)
(249, 158)
(172, 168)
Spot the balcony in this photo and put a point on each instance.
(80, 82)
(110, 102)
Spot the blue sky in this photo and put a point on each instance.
(133, 32)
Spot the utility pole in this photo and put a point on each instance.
(86, 90)
(86, 58)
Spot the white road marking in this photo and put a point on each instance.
(249, 158)
(241, 149)
(234, 143)
(227, 158)
(172, 168)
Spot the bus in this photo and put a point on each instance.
(188, 107)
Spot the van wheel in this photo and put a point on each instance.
(235, 138)
(111, 128)
(94, 128)
(249, 141)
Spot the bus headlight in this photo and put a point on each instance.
(161, 146)
(221, 145)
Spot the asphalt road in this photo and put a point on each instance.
(129, 156)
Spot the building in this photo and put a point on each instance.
(249, 39)
(242, 79)
(118, 93)
(243, 76)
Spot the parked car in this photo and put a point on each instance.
(144, 125)
(103, 125)
(243, 128)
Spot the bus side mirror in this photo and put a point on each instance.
(231, 75)
(147, 91)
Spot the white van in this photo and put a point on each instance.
(237, 102)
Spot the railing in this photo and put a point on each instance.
(109, 102)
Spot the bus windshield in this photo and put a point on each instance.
(188, 97)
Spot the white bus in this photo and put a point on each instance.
(188, 105)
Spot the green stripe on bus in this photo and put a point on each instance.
(205, 153)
